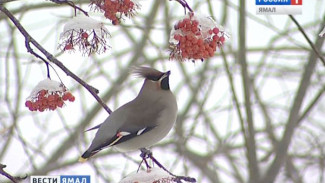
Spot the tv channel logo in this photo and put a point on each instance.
(278, 7)
(61, 179)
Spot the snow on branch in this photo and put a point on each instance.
(153, 175)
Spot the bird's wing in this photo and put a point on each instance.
(125, 123)
(122, 136)
(93, 128)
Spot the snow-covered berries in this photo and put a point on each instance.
(195, 38)
(116, 9)
(48, 95)
(154, 175)
(86, 34)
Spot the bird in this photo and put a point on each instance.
(143, 121)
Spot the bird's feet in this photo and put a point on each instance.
(145, 154)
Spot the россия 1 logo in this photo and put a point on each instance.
(278, 7)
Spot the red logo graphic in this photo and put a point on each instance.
(296, 2)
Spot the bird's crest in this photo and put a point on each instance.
(148, 73)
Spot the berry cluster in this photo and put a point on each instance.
(48, 100)
(115, 9)
(195, 38)
(87, 42)
(86, 34)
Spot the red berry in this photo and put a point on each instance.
(41, 109)
(177, 37)
(181, 24)
(28, 103)
(45, 102)
(68, 47)
(51, 98)
(131, 5)
(42, 92)
(195, 23)
(65, 96)
(216, 30)
(84, 35)
(60, 103)
(215, 38)
(52, 108)
(222, 39)
(72, 98)
(115, 22)
(200, 42)
(194, 29)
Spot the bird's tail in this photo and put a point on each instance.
(82, 160)
(85, 156)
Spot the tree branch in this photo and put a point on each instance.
(184, 4)
(293, 119)
(50, 57)
(10, 177)
(6, 1)
(308, 40)
(251, 144)
(70, 3)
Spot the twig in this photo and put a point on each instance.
(293, 119)
(184, 4)
(50, 57)
(308, 40)
(70, 3)
(10, 177)
(146, 153)
(177, 177)
(30, 50)
(6, 1)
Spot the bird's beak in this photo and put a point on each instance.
(166, 74)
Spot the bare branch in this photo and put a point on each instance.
(70, 3)
(308, 40)
(184, 4)
(293, 119)
(251, 144)
(29, 39)
(10, 177)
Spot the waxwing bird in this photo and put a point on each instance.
(141, 122)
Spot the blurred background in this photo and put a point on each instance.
(252, 113)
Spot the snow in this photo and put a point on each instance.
(150, 176)
(47, 84)
(205, 24)
(82, 22)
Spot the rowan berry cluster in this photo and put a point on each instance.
(48, 94)
(195, 38)
(115, 9)
(48, 100)
(88, 35)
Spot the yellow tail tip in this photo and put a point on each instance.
(82, 160)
